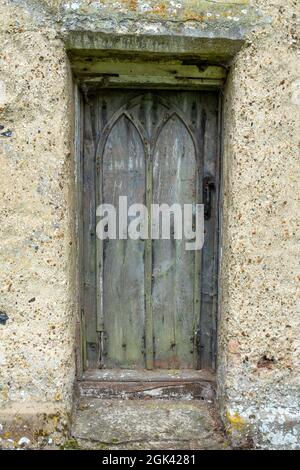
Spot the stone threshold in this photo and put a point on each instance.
(164, 384)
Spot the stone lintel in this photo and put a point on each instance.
(212, 31)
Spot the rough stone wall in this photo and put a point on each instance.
(259, 343)
(37, 255)
(259, 346)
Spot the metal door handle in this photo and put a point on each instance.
(208, 188)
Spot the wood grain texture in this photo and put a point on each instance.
(151, 147)
(117, 73)
(123, 173)
(174, 175)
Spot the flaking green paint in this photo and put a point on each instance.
(117, 71)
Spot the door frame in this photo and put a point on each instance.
(207, 77)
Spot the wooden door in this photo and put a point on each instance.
(150, 303)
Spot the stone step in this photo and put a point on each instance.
(147, 424)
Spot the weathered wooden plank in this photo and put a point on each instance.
(92, 66)
(89, 264)
(174, 164)
(202, 390)
(78, 171)
(210, 251)
(123, 173)
(148, 273)
(114, 73)
(150, 81)
(202, 112)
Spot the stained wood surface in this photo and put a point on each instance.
(169, 73)
(174, 181)
(151, 147)
(123, 173)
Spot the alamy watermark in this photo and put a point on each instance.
(164, 222)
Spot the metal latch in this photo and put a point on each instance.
(208, 188)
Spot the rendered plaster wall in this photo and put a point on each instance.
(259, 345)
(37, 243)
(258, 371)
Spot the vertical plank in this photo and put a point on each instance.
(99, 120)
(78, 173)
(210, 249)
(89, 236)
(148, 272)
(123, 173)
(201, 110)
(197, 275)
(174, 181)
